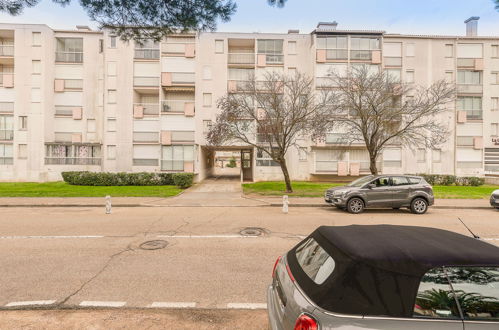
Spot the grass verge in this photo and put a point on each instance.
(62, 189)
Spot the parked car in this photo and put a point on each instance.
(494, 199)
(393, 191)
(385, 277)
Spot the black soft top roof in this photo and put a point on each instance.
(409, 250)
(378, 268)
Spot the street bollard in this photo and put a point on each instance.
(108, 204)
(285, 204)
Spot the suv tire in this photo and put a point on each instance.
(355, 205)
(419, 205)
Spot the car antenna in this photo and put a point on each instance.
(475, 236)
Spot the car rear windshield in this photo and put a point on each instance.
(314, 261)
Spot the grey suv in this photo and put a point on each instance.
(393, 191)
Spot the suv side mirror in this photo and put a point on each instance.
(371, 186)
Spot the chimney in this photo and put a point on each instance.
(330, 26)
(472, 26)
(293, 31)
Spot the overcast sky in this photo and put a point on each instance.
(392, 16)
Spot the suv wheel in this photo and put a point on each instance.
(419, 205)
(355, 205)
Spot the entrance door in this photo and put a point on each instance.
(246, 165)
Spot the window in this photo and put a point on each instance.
(392, 157)
(101, 45)
(435, 297)
(72, 154)
(400, 181)
(207, 72)
(112, 41)
(22, 151)
(315, 261)
(111, 124)
(69, 50)
(23, 123)
(36, 67)
(292, 47)
(111, 152)
(6, 154)
(382, 182)
(394, 74)
(436, 155)
(36, 38)
(495, 51)
(206, 126)
(421, 155)
(241, 74)
(264, 159)
(494, 129)
(362, 47)
(477, 290)
(449, 50)
(494, 78)
(472, 106)
(173, 157)
(270, 46)
(206, 99)
(494, 103)
(292, 71)
(449, 76)
(6, 128)
(302, 153)
(111, 96)
(467, 77)
(469, 50)
(410, 50)
(409, 76)
(111, 69)
(336, 47)
(219, 46)
(392, 49)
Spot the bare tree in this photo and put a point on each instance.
(270, 114)
(375, 108)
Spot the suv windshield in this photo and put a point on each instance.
(360, 182)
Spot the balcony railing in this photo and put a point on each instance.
(6, 50)
(336, 54)
(172, 165)
(72, 161)
(331, 166)
(147, 53)
(173, 48)
(241, 58)
(63, 111)
(469, 89)
(150, 109)
(145, 137)
(393, 61)
(69, 57)
(6, 134)
(174, 105)
(145, 162)
(146, 81)
(183, 78)
(6, 160)
(73, 83)
(361, 55)
(7, 107)
(466, 62)
(274, 59)
(183, 136)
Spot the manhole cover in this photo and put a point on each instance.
(252, 231)
(153, 245)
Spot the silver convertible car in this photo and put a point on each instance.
(386, 277)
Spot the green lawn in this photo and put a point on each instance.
(316, 189)
(62, 189)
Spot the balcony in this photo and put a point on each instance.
(146, 81)
(175, 106)
(172, 165)
(274, 59)
(69, 57)
(149, 109)
(182, 136)
(241, 58)
(331, 166)
(178, 79)
(361, 55)
(6, 135)
(234, 86)
(336, 54)
(469, 89)
(6, 161)
(146, 53)
(72, 161)
(145, 162)
(145, 137)
(7, 50)
(393, 61)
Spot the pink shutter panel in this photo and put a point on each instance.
(77, 113)
(461, 117)
(138, 111)
(321, 55)
(190, 50)
(479, 64)
(166, 78)
(342, 168)
(261, 60)
(478, 142)
(189, 167)
(8, 80)
(376, 57)
(59, 85)
(232, 86)
(260, 114)
(76, 138)
(354, 169)
(166, 138)
(189, 109)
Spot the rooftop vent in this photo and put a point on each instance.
(293, 31)
(327, 25)
(83, 28)
(472, 26)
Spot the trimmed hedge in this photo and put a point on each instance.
(83, 178)
(451, 180)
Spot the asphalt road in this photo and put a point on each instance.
(81, 257)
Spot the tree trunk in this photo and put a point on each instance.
(372, 166)
(287, 180)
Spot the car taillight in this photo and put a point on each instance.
(306, 322)
(275, 266)
(289, 273)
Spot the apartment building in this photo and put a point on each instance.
(85, 100)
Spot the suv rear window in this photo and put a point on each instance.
(414, 180)
(314, 261)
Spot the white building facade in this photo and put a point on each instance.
(83, 100)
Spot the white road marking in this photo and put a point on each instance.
(30, 303)
(103, 303)
(489, 239)
(206, 236)
(246, 306)
(67, 236)
(172, 305)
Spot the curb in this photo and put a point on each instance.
(433, 207)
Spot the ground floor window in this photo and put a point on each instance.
(72, 154)
(6, 154)
(264, 159)
(173, 158)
